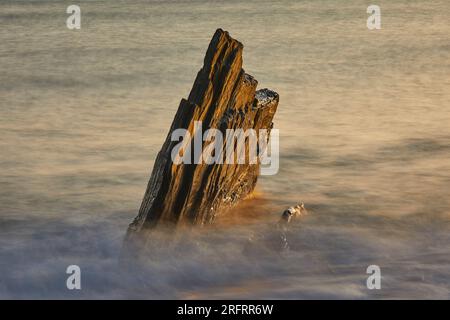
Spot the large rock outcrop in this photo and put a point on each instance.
(223, 97)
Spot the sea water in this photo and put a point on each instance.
(364, 141)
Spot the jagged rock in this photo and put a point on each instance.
(292, 212)
(223, 97)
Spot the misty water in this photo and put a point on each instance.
(364, 137)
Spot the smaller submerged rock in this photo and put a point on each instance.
(296, 211)
(275, 238)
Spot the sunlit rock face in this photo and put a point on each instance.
(223, 97)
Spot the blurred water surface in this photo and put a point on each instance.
(364, 131)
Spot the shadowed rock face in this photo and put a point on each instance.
(223, 97)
